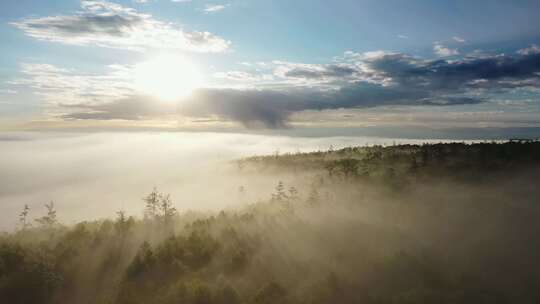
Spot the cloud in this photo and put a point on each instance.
(444, 51)
(356, 80)
(533, 49)
(106, 24)
(459, 39)
(130, 108)
(213, 8)
(320, 72)
(403, 36)
(374, 79)
(64, 86)
(7, 91)
(242, 76)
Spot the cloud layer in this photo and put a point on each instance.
(272, 92)
(106, 24)
(370, 80)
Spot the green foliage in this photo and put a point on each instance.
(26, 276)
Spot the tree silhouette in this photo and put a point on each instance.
(123, 223)
(23, 218)
(152, 204)
(49, 220)
(167, 210)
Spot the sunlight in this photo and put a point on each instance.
(168, 77)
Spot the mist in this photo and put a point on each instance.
(93, 175)
(228, 218)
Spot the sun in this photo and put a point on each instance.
(168, 77)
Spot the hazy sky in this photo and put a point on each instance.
(239, 64)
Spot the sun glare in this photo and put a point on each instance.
(168, 77)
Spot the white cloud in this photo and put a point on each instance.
(213, 8)
(403, 36)
(444, 51)
(533, 49)
(459, 39)
(106, 24)
(7, 91)
(59, 86)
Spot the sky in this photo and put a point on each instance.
(312, 66)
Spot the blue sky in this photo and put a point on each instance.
(270, 64)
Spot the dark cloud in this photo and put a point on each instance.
(456, 75)
(252, 108)
(113, 25)
(329, 71)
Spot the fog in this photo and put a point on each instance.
(92, 175)
(449, 223)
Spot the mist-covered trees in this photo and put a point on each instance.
(345, 238)
(408, 162)
(159, 210)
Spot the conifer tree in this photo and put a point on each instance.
(23, 218)
(49, 220)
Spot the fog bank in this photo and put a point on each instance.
(92, 175)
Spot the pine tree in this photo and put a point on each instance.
(166, 208)
(23, 218)
(152, 204)
(48, 221)
(280, 194)
(123, 223)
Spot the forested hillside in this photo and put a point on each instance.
(443, 223)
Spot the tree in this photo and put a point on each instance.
(167, 210)
(152, 204)
(293, 193)
(23, 218)
(48, 221)
(280, 194)
(123, 223)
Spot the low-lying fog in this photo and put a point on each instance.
(92, 175)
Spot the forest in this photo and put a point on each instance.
(432, 223)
